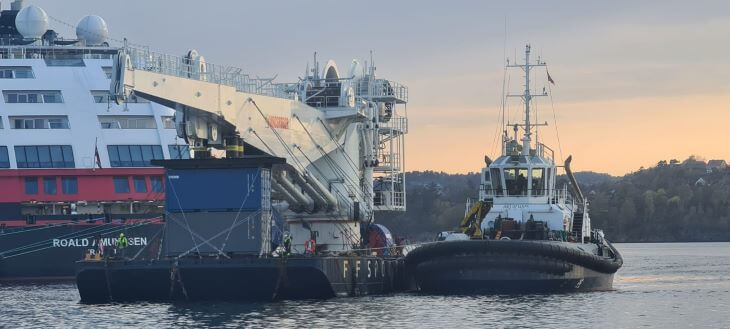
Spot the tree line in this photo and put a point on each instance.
(672, 201)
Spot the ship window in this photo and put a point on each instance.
(168, 122)
(44, 156)
(497, 181)
(31, 185)
(134, 155)
(124, 157)
(179, 151)
(64, 61)
(516, 181)
(107, 71)
(156, 182)
(127, 122)
(147, 153)
(68, 156)
(4, 159)
(121, 184)
(57, 156)
(69, 185)
(33, 96)
(140, 185)
(16, 72)
(1, 122)
(538, 182)
(136, 152)
(50, 122)
(100, 96)
(157, 152)
(31, 155)
(547, 179)
(49, 185)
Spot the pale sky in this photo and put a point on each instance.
(636, 81)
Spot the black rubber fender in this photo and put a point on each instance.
(547, 249)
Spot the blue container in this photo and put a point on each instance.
(210, 190)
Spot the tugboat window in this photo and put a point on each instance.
(547, 179)
(496, 181)
(538, 182)
(516, 181)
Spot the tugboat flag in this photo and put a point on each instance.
(550, 79)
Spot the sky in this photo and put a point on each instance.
(636, 82)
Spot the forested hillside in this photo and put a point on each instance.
(673, 201)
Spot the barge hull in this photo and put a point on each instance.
(250, 279)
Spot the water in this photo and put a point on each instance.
(672, 285)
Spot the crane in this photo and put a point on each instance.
(342, 135)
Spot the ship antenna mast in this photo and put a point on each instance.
(527, 98)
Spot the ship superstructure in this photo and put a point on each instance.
(65, 149)
(520, 185)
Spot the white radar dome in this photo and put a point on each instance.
(92, 29)
(31, 22)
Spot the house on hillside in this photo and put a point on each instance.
(701, 182)
(716, 165)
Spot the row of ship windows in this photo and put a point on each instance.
(54, 96)
(70, 185)
(106, 122)
(61, 156)
(26, 72)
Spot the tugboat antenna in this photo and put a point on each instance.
(527, 97)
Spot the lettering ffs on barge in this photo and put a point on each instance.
(86, 242)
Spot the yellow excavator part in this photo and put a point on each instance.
(472, 222)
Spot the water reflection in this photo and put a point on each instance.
(661, 285)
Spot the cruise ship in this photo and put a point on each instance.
(83, 128)
(74, 166)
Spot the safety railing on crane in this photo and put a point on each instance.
(199, 69)
(397, 123)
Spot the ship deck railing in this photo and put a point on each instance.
(545, 152)
(56, 52)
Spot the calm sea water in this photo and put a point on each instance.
(671, 285)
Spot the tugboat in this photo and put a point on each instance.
(524, 234)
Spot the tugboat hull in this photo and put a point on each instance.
(484, 267)
(244, 278)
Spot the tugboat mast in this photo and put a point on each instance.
(526, 98)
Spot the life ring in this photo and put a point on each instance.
(310, 246)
